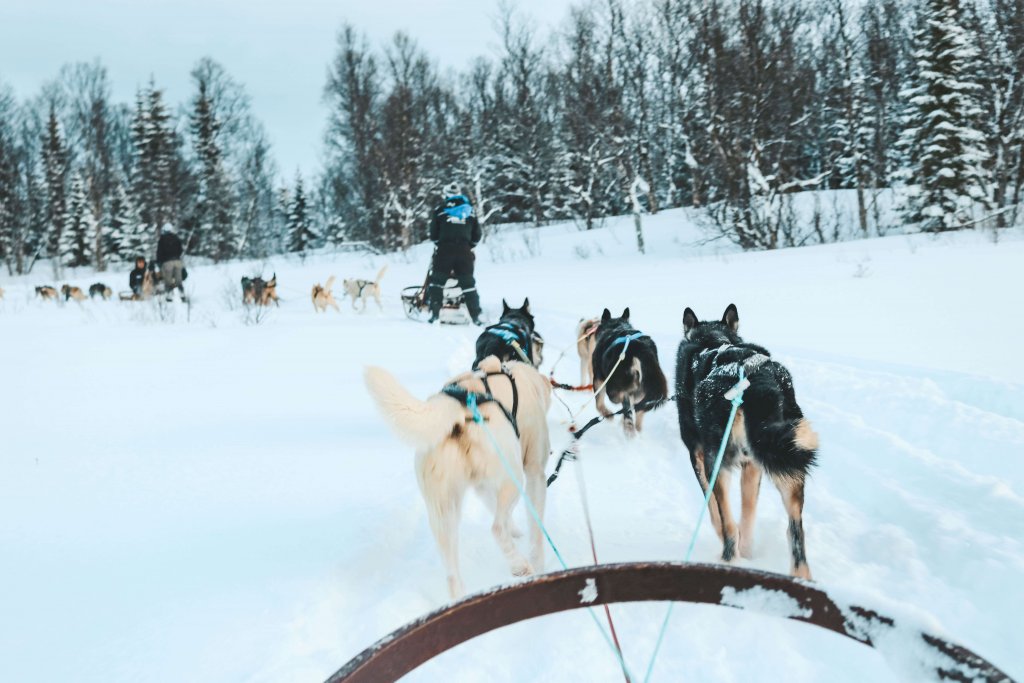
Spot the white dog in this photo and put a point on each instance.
(364, 289)
(454, 453)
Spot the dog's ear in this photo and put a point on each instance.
(731, 318)
(606, 316)
(504, 307)
(625, 313)
(689, 320)
(526, 305)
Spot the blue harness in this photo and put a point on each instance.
(625, 339)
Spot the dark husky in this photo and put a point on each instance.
(256, 290)
(770, 433)
(637, 378)
(515, 325)
(99, 289)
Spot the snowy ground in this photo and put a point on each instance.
(203, 499)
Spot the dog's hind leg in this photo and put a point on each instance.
(444, 523)
(599, 398)
(750, 487)
(721, 501)
(507, 496)
(792, 490)
(536, 489)
(697, 461)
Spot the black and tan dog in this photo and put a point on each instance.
(71, 292)
(256, 290)
(515, 328)
(99, 289)
(46, 292)
(636, 377)
(770, 433)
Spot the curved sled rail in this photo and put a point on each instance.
(410, 646)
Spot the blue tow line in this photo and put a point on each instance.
(735, 396)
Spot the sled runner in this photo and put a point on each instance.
(453, 306)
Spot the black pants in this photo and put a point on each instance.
(453, 260)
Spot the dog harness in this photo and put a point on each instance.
(461, 395)
(625, 339)
(509, 332)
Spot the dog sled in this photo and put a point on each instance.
(586, 587)
(453, 303)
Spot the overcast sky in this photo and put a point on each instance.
(278, 49)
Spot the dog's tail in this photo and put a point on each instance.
(329, 284)
(380, 274)
(420, 423)
(786, 448)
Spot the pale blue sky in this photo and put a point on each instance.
(279, 50)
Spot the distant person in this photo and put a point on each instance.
(137, 277)
(455, 231)
(168, 257)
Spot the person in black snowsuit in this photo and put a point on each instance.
(137, 277)
(168, 256)
(455, 231)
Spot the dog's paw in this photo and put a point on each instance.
(521, 567)
(801, 572)
(746, 547)
(514, 529)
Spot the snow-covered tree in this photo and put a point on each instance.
(128, 232)
(55, 168)
(218, 236)
(947, 177)
(301, 235)
(77, 238)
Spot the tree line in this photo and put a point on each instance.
(86, 181)
(731, 106)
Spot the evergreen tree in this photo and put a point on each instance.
(128, 234)
(301, 236)
(946, 148)
(218, 237)
(55, 160)
(77, 236)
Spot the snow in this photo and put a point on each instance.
(189, 495)
(773, 602)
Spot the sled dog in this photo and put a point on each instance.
(75, 293)
(454, 453)
(515, 325)
(586, 338)
(638, 377)
(770, 433)
(101, 290)
(46, 292)
(364, 289)
(324, 297)
(256, 290)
